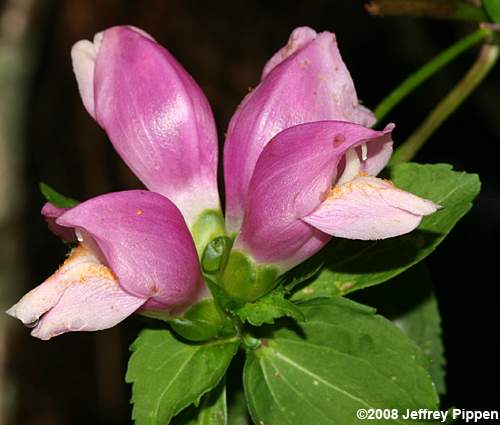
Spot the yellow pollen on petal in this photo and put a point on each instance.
(339, 191)
(81, 266)
(138, 211)
(96, 271)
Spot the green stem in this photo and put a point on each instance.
(440, 9)
(430, 68)
(483, 64)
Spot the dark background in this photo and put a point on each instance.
(78, 378)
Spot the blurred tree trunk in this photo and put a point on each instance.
(16, 38)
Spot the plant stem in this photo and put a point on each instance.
(441, 9)
(483, 64)
(426, 71)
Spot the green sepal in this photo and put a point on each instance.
(202, 322)
(207, 226)
(244, 280)
(55, 198)
(215, 254)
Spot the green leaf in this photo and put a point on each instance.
(301, 273)
(492, 9)
(422, 323)
(268, 308)
(169, 374)
(352, 265)
(409, 301)
(56, 198)
(212, 409)
(342, 358)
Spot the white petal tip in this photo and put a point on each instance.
(83, 55)
(12, 312)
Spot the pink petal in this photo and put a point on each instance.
(298, 39)
(304, 82)
(155, 115)
(369, 208)
(290, 181)
(51, 213)
(145, 242)
(83, 295)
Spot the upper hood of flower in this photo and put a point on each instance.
(145, 242)
(154, 113)
(305, 81)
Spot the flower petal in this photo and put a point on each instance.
(369, 208)
(145, 242)
(83, 295)
(305, 81)
(155, 115)
(298, 38)
(292, 176)
(51, 213)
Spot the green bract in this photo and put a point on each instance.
(207, 226)
(243, 280)
(55, 198)
(203, 321)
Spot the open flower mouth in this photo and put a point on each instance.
(81, 284)
(352, 165)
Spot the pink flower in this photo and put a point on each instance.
(154, 113)
(314, 181)
(136, 249)
(135, 252)
(304, 81)
(299, 167)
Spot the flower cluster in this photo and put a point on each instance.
(300, 161)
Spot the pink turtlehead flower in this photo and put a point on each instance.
(290, 187)
(316, 180)
(304, 81)
(135, 252)
(154, 113)
(299, 166)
